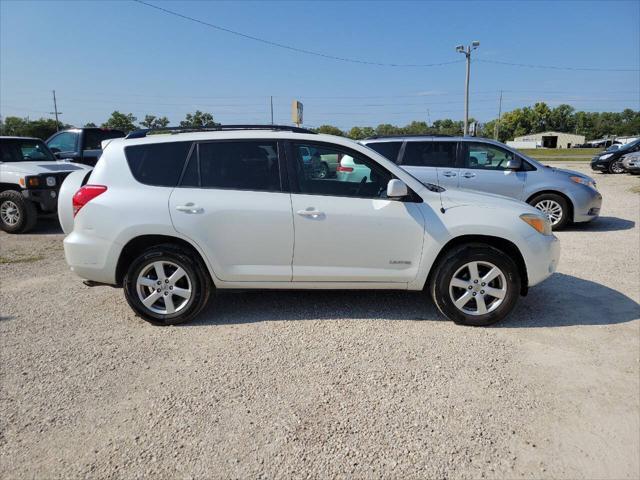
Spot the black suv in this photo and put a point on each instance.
(81, 145)
(610, 161)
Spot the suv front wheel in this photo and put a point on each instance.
(165, 286)
(17, 214)
(476, 285)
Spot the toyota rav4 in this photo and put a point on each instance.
(171, 218)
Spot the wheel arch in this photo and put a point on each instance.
(137, 245)
(4, 186)
(497, 242)
(554, 192)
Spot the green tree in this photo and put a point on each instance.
(121, 121)
(151, 121)
(330, 130)
(41, 128)
(90, 125)
(198, 120)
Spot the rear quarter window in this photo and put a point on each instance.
(158, 164)
(389, 150)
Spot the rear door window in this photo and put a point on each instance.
(235, 165)
(158, 164)
(389, 150)
(430, 154)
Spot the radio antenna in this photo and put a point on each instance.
(442, 210)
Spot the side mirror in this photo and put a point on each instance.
(397, 189)
(514, 164)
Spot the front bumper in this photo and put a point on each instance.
(46, 198)
(587, 203)
(600, 165)
(542, 257)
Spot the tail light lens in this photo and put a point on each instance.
(340, 168)
(85, 195)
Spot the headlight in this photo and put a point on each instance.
(605, 156)
(584, 181)
(537, 222)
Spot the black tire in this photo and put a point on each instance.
(456, 259)
(546, 198)
(616, 167)
(25, 211)
(323, 171)
(198, 281)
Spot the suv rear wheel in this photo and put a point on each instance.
(475, 284)
(165, 286)
(17, 214)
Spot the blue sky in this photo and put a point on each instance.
(102, 56)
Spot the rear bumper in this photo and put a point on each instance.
(542, 257)
(92, 258)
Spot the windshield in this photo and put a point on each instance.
(629, 145)
(19, 150)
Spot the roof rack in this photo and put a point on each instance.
(141, 133)
(373, 137)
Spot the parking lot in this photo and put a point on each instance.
(326, 384)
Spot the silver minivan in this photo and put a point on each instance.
(485, 165)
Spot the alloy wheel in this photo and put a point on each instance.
(9, 213)
(164, 287)
(552, 209)
(617, 167)
(478, 288)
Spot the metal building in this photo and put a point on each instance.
(552, 139)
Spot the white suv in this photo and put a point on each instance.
(172, 217)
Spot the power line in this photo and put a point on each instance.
(290, 47)
(366, 62)
(555, 67)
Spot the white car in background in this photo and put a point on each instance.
(171, 218)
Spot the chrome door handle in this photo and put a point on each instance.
(189, 208)
(310, 213)
(449, 174)
(468, 175)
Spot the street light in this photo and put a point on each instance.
(467, 53)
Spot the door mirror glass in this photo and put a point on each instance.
(514, 164)
(397, 189)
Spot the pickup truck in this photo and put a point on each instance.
(81, 145)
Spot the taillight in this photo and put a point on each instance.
(340, 168)
(85, 195)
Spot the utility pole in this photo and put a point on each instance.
(271, 110)
(428, 118)
(467, 53)
(55, 111)
(497, 129)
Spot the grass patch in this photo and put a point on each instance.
(31, 259)
(635, 189)
(561, 154)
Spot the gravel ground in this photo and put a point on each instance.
(326, 384)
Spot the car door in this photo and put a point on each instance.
(347, 230)
(431, 161)
(231, 202)
(484, 168)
